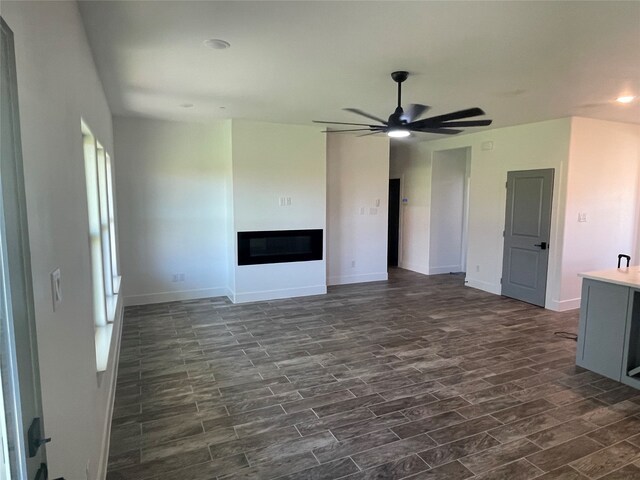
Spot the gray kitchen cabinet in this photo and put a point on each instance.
(609, 329)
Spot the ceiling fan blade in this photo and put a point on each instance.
(413, 112)
(365, 114)
(350, 130)
(344, 123)
(372, 133)
(445, 131)
(432, 121)
(467, 123)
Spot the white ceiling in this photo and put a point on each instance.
(296, 61)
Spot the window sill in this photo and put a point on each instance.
(116, 284)
(103, 345)
(112, 301)
(104, 334)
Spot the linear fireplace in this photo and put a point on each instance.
(279, 246)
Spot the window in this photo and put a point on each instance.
(105, 279)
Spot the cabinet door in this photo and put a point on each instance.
(603, 318)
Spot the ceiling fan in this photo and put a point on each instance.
(401, 123)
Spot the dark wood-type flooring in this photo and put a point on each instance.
(418, 377)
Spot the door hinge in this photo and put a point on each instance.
(506, 184)
(42, 473)
(503, 233)
(500, 281)
(34, 437)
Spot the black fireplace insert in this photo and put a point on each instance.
(279, 246)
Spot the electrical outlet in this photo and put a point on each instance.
(582, 217)
(177, 277)
(353, 263)
(477, 268)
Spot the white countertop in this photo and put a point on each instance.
(627, 276)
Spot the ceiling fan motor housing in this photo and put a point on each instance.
(395, 119)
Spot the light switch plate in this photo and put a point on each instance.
(56, 289)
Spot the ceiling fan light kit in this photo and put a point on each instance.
(625, 99)
(398, 133)
(402, 123)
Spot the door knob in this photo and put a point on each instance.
(542, 245)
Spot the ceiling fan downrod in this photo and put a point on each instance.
(399, 77)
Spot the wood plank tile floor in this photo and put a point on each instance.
(418, 377)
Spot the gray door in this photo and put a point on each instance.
(526, 235)
(18, 352)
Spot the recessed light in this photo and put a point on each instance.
(625, 99)
(186, 105)
(217, 44)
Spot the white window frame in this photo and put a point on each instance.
(105, 279)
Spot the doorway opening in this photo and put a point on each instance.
(449, 210)
(393, 240)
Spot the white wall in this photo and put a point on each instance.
(411, 163)
(57, 85)
(357, 208)
(524, 147)
(171, 183)
(271, 161)
(189, 188)
(596, 172)
(448, 182)
(604, 166)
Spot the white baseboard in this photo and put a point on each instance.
(445, 269)
(277, 294)
(415, 267)
(361, 278)
(110, 376)
(485, 286)
(563, 305)
(163, 297)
